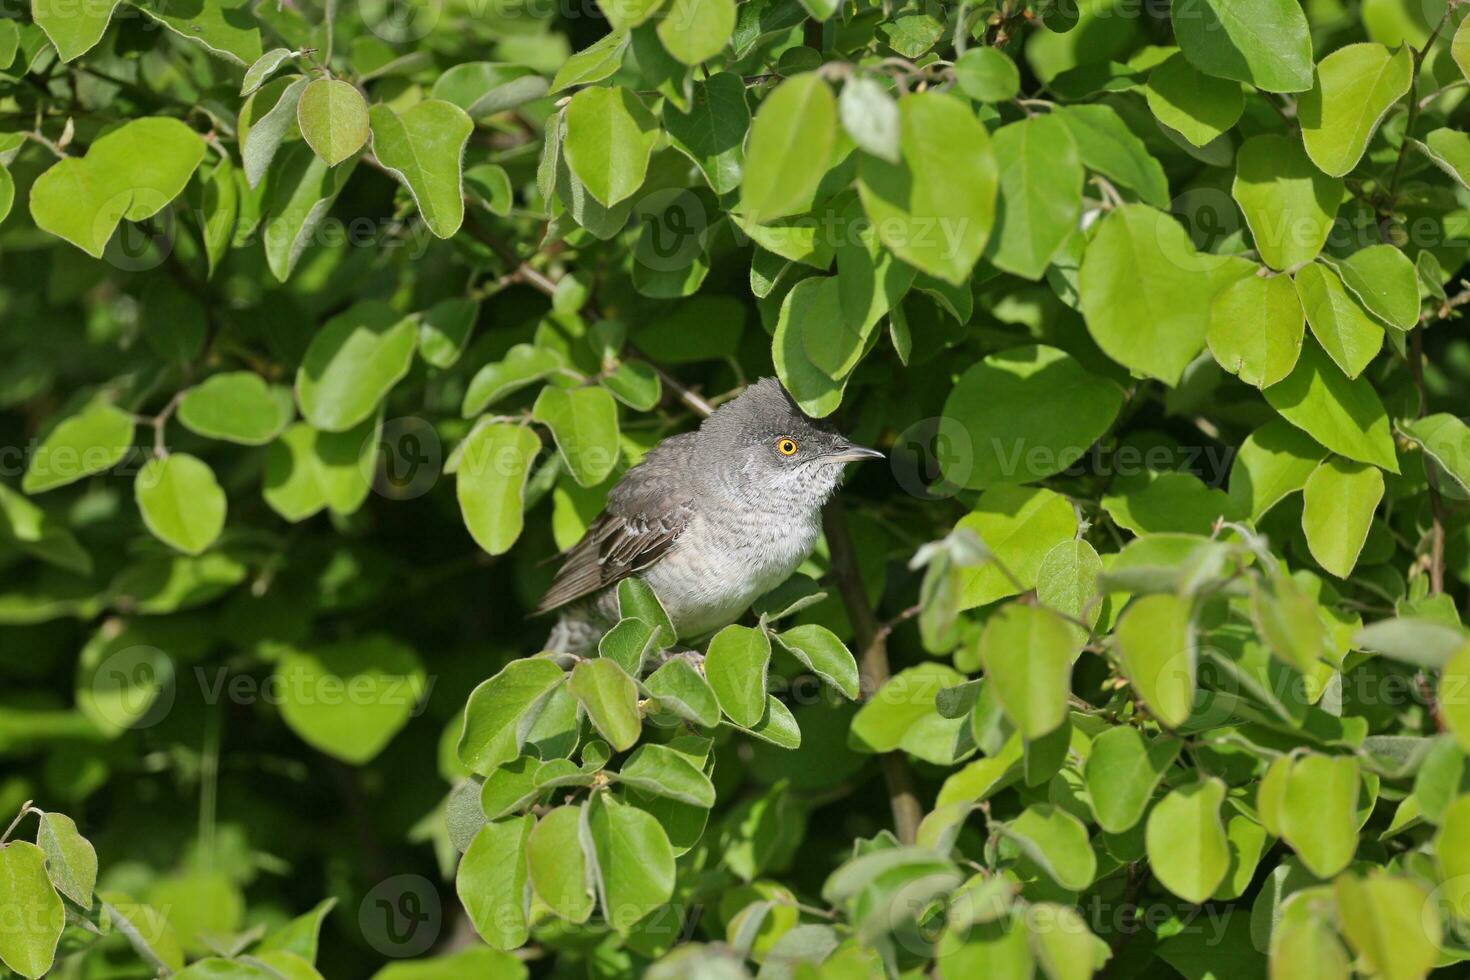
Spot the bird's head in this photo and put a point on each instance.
(761, 444)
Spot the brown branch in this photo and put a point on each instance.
(871, 638)
(1436, 502)
(522, 271)
(1413, 97)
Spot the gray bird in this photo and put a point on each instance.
(711, 520)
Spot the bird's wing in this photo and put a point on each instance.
(645, 514)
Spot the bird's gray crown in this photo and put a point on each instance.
(760, 415)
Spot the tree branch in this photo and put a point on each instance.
(872, 640)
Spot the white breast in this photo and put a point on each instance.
(713, 573)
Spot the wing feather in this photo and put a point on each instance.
(644, 516)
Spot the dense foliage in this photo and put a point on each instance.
(327, 325)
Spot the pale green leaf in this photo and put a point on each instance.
(423, 147)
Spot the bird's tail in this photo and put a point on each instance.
(574, 632)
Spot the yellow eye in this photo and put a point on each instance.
(786, 447)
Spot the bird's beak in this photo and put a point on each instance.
(853, 454)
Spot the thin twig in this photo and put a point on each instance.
(1413, 97)
(872, 640)
(135, 938)
(25, 808)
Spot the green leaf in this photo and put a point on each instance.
(1289, 620)
(1064, 946)
(1187, 849)
(696, 30)
(1307, 947)
(611, 700)
(301, 935)
(1344, 329)
(301, 192)
(1018, 526)
(1342, 414)
(1145, 292)
(593, 63)
(1355, 87)
(637, 600)
(1274, 461)
(635, 384)
(1384, 281)
(501, 710)
(349, 699)
(903, 701)
(870, 116)
(1338, 502)
(1066, 581)
(1164, 502)
(1027, 413)
(557, 864)
(1122, 772)
(1263, 42)
(1041, 179)
(133, 172)
(262, 68)
(1247, 840)
(267, 118)
(1446, 444)
(71, 860)
(790, 144)
(445, 328)
(7, 192)
(484, 88)
(1156, 647)
(996, 950)
(1056, 841)
(610, 135)
(812, 309)
(236, 406)
(307, 470)
(225, 28)
(181, 502)
(635, 862)
(824, 655)
(1193, 104)
(1383, 919)
(986, 74)
(1318, 813)
(1452, 856)
(352, 363)
(423, 147)
(73, 30)
(628, 642)
(1288, 203)
(1027, 654)
(777, 725)
(1108, 146)
(935, 210)
(1256, 329)
(735, 667)
(91, 441)
(625, 14)
(684, 691)
(712, 131)
(36, 915)
(333, 118)
(1449, 150)
(662, 771)
(523, 365)
(584, 423)
(491, 881)
(490, 482)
